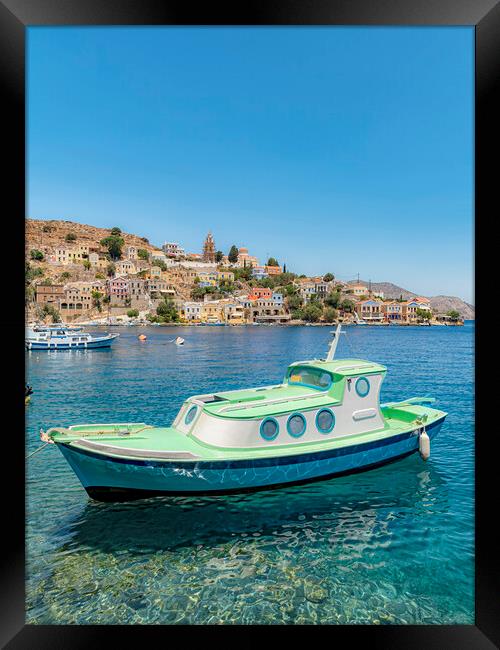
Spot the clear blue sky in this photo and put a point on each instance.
(333, 149)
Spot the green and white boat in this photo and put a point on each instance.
(323, 420)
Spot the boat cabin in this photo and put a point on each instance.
(318, 400)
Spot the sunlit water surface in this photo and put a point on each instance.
(392, 545)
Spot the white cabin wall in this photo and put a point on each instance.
(236, 433)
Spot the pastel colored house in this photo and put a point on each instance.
(273, 270)
(370, 310)
(392, 311)
(225, 276)
(125, 266)
(192, 311)
(97, 261)
(118, 288)
(131, 252)
(49, 295)
(261, 292)
(277, 299)
(259, 272)
(358, 289)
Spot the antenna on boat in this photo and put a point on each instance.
(334, 342)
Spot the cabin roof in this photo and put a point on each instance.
(344, 367)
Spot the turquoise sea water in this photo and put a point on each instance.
(392, 545)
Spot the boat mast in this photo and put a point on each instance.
(333, 343)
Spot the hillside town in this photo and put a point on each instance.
(82, 274)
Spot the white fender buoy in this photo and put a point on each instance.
(424, 445)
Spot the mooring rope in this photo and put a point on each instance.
(37, 450)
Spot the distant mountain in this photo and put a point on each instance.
(439, 304)
(443, 304)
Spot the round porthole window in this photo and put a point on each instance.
(362, 386)
(269, 429)
(296, 425)
(325, 421)
(190, 415)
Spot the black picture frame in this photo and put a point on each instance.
(15, 16)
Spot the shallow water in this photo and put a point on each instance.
(392, 545)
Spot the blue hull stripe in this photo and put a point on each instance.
(257, 462)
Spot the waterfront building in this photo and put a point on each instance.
(118, 287)
(49, 295)
(78, 296)
(192, 311)
(234, 313)
(392, 311)
(265, 311)
(370, 310)
(410, 308)
(211, 311)
(209, 249)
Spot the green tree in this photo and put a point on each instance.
(272, 261)
(424, 314)
(328, 277)
(218, 256)
(35, 254)
(453, 315)
(284, 268)
(65, 275)
(96, 299)
(330, 314)
(47, 282)
(312, 312)
(333, 299)
(347, 305)
(114, 244)
(110, 270)
(86, 264)
(99, 276)
(167, 312)
(143, 254)
(294, 301)
(70, 237)
(49, 310)
(233, 254)
(47, 228)
(133, 313)
(116, 231)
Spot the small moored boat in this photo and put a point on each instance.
(323, 420)
(65, 338)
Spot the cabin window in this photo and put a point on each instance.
(325, 421)
(310, 377)
(190, 415)
(269, 429)
(362, 386)
(296, 425)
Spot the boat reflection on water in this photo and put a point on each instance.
(346, 508)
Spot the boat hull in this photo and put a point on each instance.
(85, 345)
(121, 479)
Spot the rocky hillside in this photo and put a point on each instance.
(443, 304)
(439, 304)
(41, 234)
